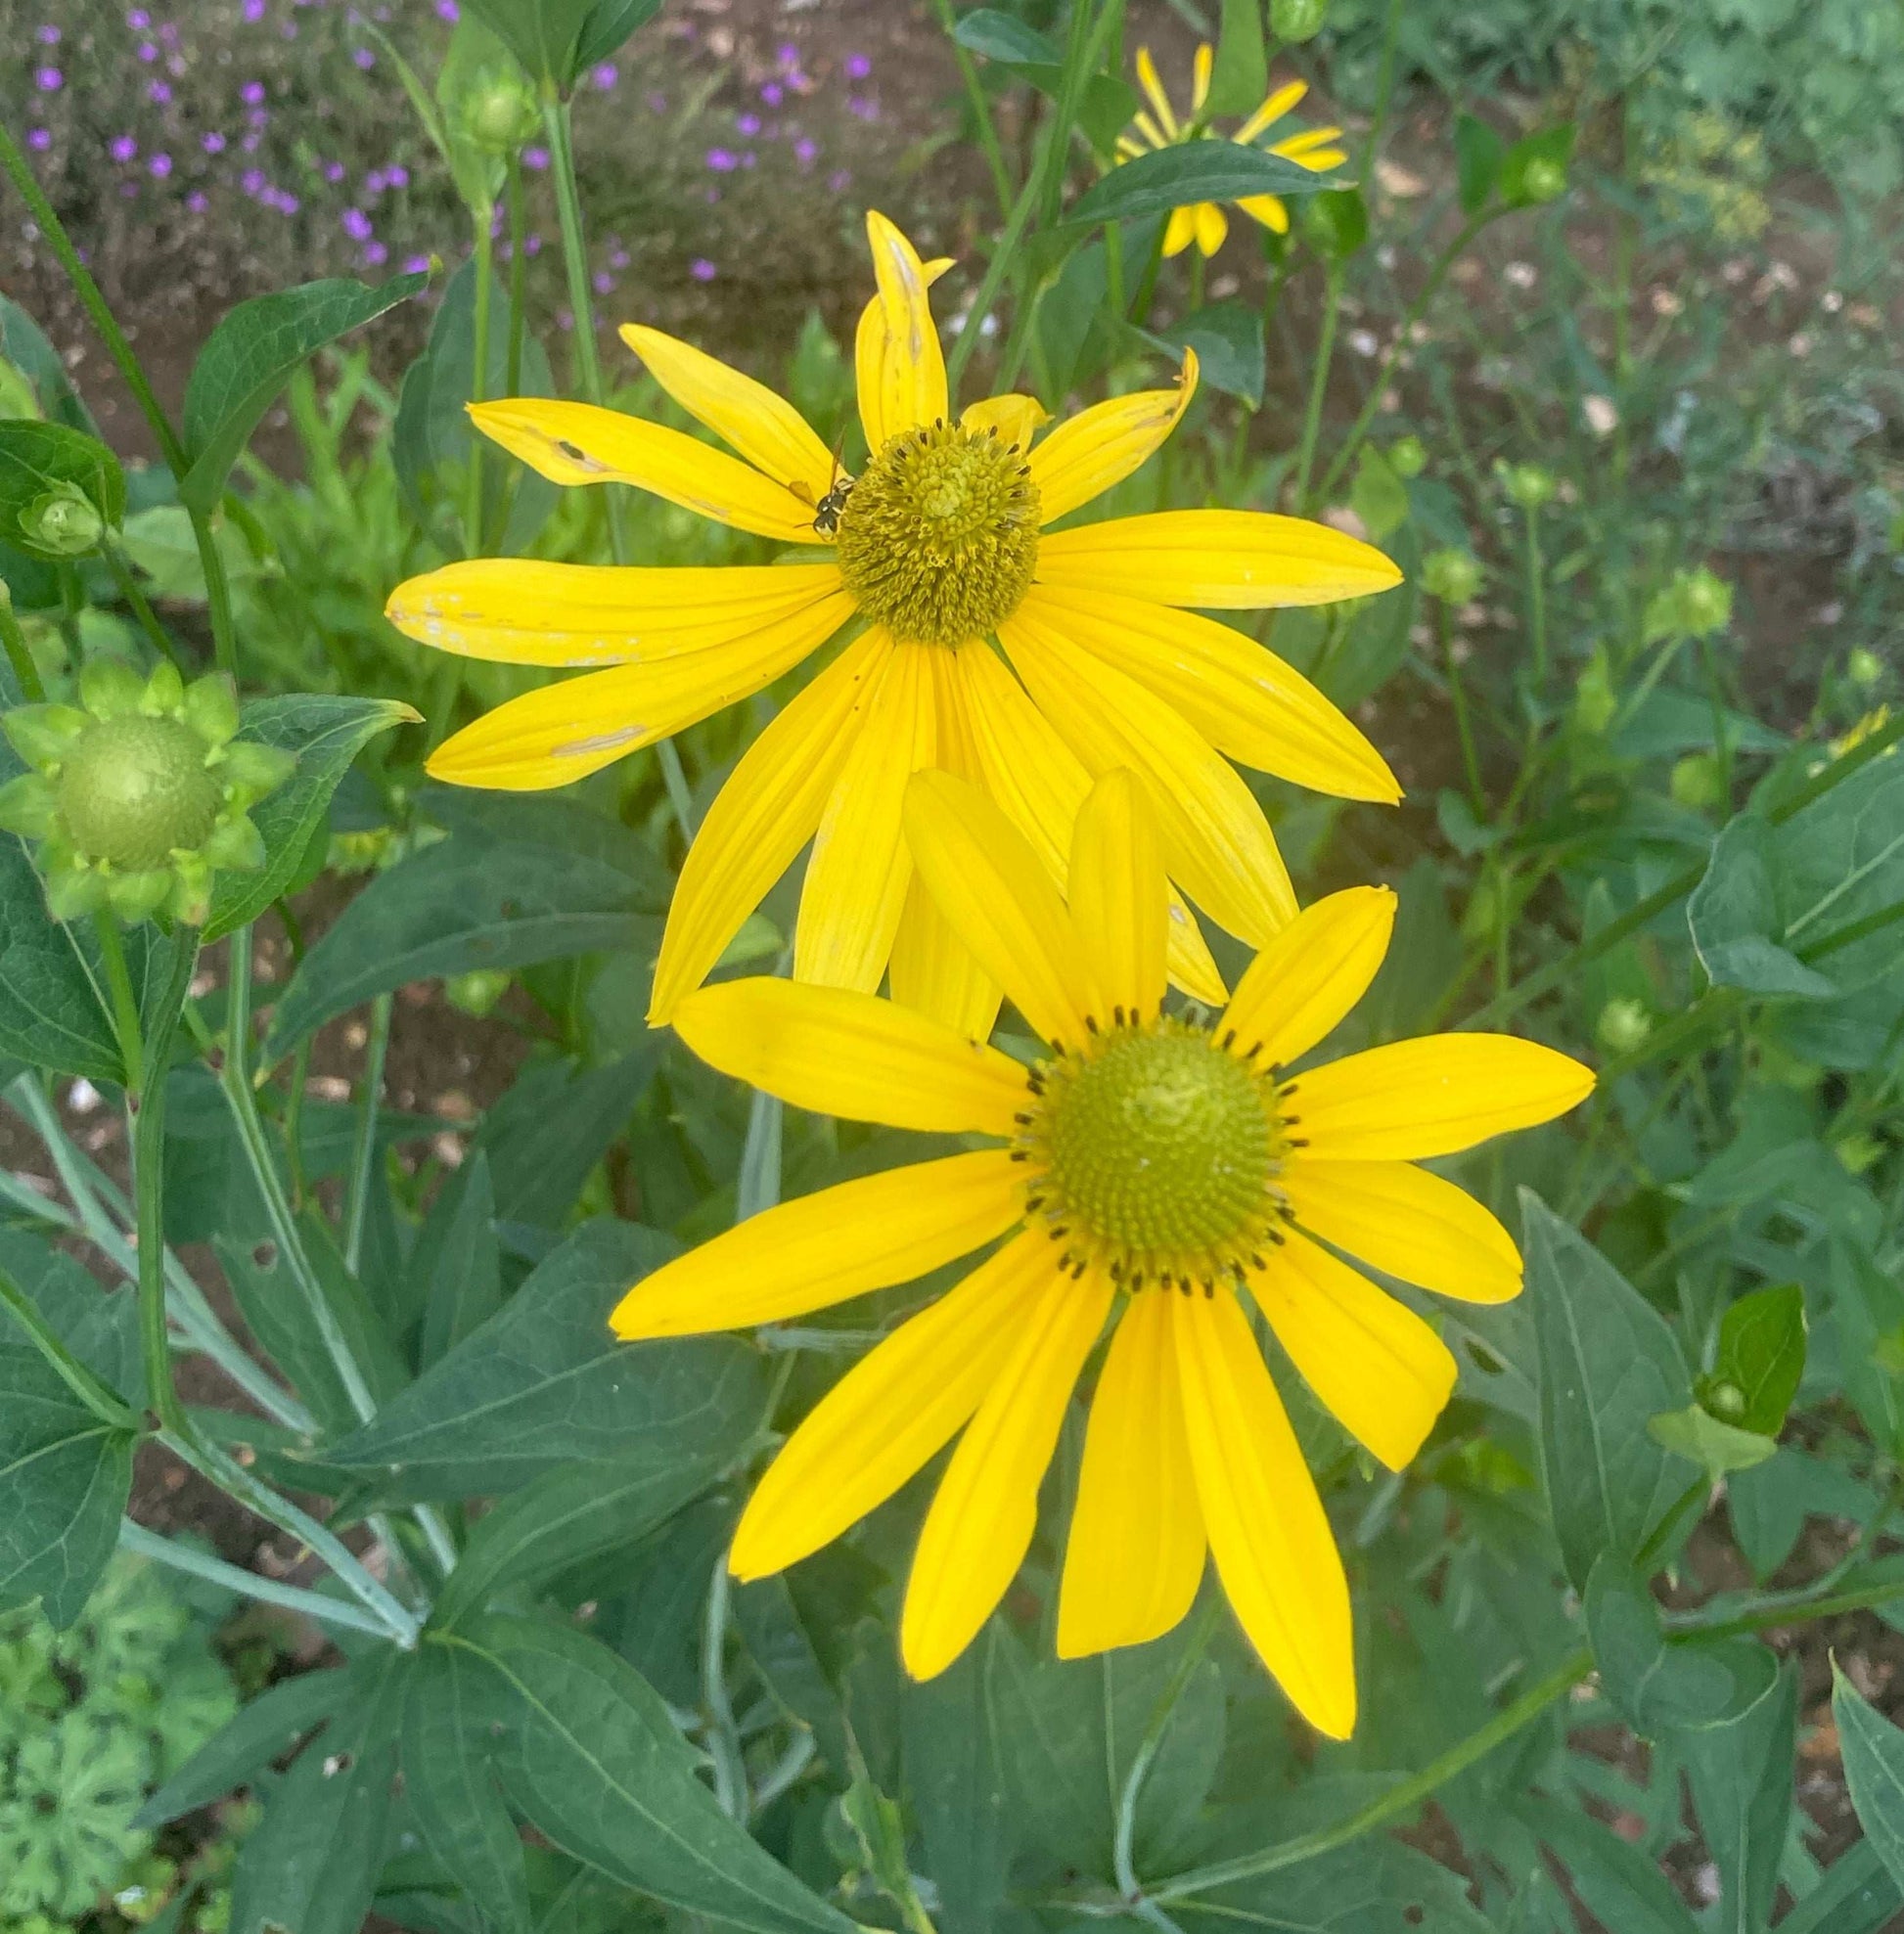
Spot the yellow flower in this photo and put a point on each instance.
(941, 545)
(1204, 223)
(1167, 1168)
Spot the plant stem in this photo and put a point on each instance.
(485, 255)
(993, 280)
(25, 670)
(125, 1004)
(135, 1538)
(1536, 598)
(128, 584)
(981, 111)
(518, 274)
(363, 1147)
(105, 1404)
(1319, 387)
(759, 1186)
(722, 1736)
(1123, 1859)
(1384, 90)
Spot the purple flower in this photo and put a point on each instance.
(123, 147)
(159, 166)
(212, 143)
(787, 55)
(749, 158)
(148, 51)
(252, 181)
(748, 123)
(418, 264)
(40, 139)
(448, 10)
(605, 75)
(168, 33)
(250, 142)
(252, 93)
(806, 151)
(536, 158)
(858, 67)
(376, 254)
(839, 180)
(773, 94)
(138, 19)
(197, 202)
(47, 35)
(159, 92)
(374, 182)
(285, 203)
(356, 224)
(254, 10)
(603, 281)
(723, 160)
(702, 269)
(49, 80)
(365, 60)
(618, 258)
(334, 171)
(867, 111)
(532, 243)
(397, 176)
(256, 116)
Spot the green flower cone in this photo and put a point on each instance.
(139, 794)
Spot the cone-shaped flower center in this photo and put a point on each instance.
(134, 790)
(1153, 1151)
(938, 538)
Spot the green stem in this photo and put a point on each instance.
(517, 276)
(1536, 598)
(1458, 697)
(981, 111)
(993, 280)
(1123, 1856)
(194, 1563)
(1721, 735)
(122, 575)
(25, 670)
(125, 1002)
(1319, 387)
(363, 1147)
(105, 1404)
(722, 1736)
(485, 254)
(1384, 89)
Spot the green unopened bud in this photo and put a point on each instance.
(17, 396)
(1297, 21)
(1864, 667)
(1335, 222)
(1408, 456)
(133, 791)
(1726, 1402)
(1623, 1025)
(1594, 698)
(110, 688)
(62, 523)
(1527, 485)
(1694, 604)
(501, 115)
(1858, 1152)
(1542, 180)
(477, 991)
(1454, 576)
(1696, 782)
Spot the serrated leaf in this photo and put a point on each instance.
(263, 1731)
(39, 458)
(1873, 1750)
(1608, 1364)
(327, 735)
(1193, 171)
(544, 1380)
(249, 357)
(1741, 1774)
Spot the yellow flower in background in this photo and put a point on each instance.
(1204, 223)
(941, 545)
(1149, 1169)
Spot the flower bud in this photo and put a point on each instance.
(500, 116)
(1527, 485)
(477, 991)
(1726, 1402)
(1594, 700)
(1454, 576)
(1335, 223)
(1695, 782)
(1297, 20)
(1623, 1025)
(1542, 180)
(1694, 603)
(1408, 456)
(1864, 667)
(62, 523)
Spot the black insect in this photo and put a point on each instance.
(826, 514)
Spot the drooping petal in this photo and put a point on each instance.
(1268, 1532)
(760, 819)
(821, 1249)
(1016, 419)
(765, 429)
(1215, 838)
(1309, 975)
(523, 612)
(1407, 1223)
(1135, 1555)
(1213, 226)
(1119, 896)
(1434, 1096)
(576, 443)
(890, 1413)
(1147, 79)
(1275, 105)
(900, 366)
(982, 1520)
(1383, 1371)
(1269, 209)
(859, 870)
(1181, 229)
(564, 731)
(1088, 453)
(835, 1052)
(1039, 783)
(1231, 561)
(1245, 701)
(1002, 903)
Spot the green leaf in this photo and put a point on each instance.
(1001, 37)
(451, 1784)
(24, 346)
(1735, 920)
(1698, 1436)
(1768, 1505)
(1193, 171)
(1477, 163)
(783, 1653)
(264, 1731)
(1534, 169)
(477, 901)
(544, 1380)
(1857, 1895)
(1378, 1886)
(1657, 1684)
(1741, 1774)
(42, 460)
(1760, 1360)
(327, 735)
(575, 1512)
(1618, 1883)
(545, 1136)
(464, 1284)
(957, 1788)
(596, 1765)
(310, 1865)
(1608, 1364)
(555, 39)
(249, 357)
(1240, 76)
(1873, 1750)
(1228, 339)
(607, 24)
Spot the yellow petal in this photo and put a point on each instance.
(765, 429)
(1275, 105)
(891, 1413)
(1244, 700)
(1100, 446)
(1230, 561)
(837, 1053)
(579, 443)
(1268, 210)
(1119, 899)
(901, 368)
(1305, 147)
(1383, 1371)
(1135, 1555)
(1199, 75)
(759, 821)
(1212, 225)
(1434, 1096)
(523, 612)
(1407, 1223)
(1309, 975)
(1016, 419)
(821, 1249)
(1180, 231)
(1153, 87)
(1002, 903)
(982, 1520)
(859, 871)
(1040, 783)
(1268, 1533)
(576, 725)
(1150, 130)
(1215, 838)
